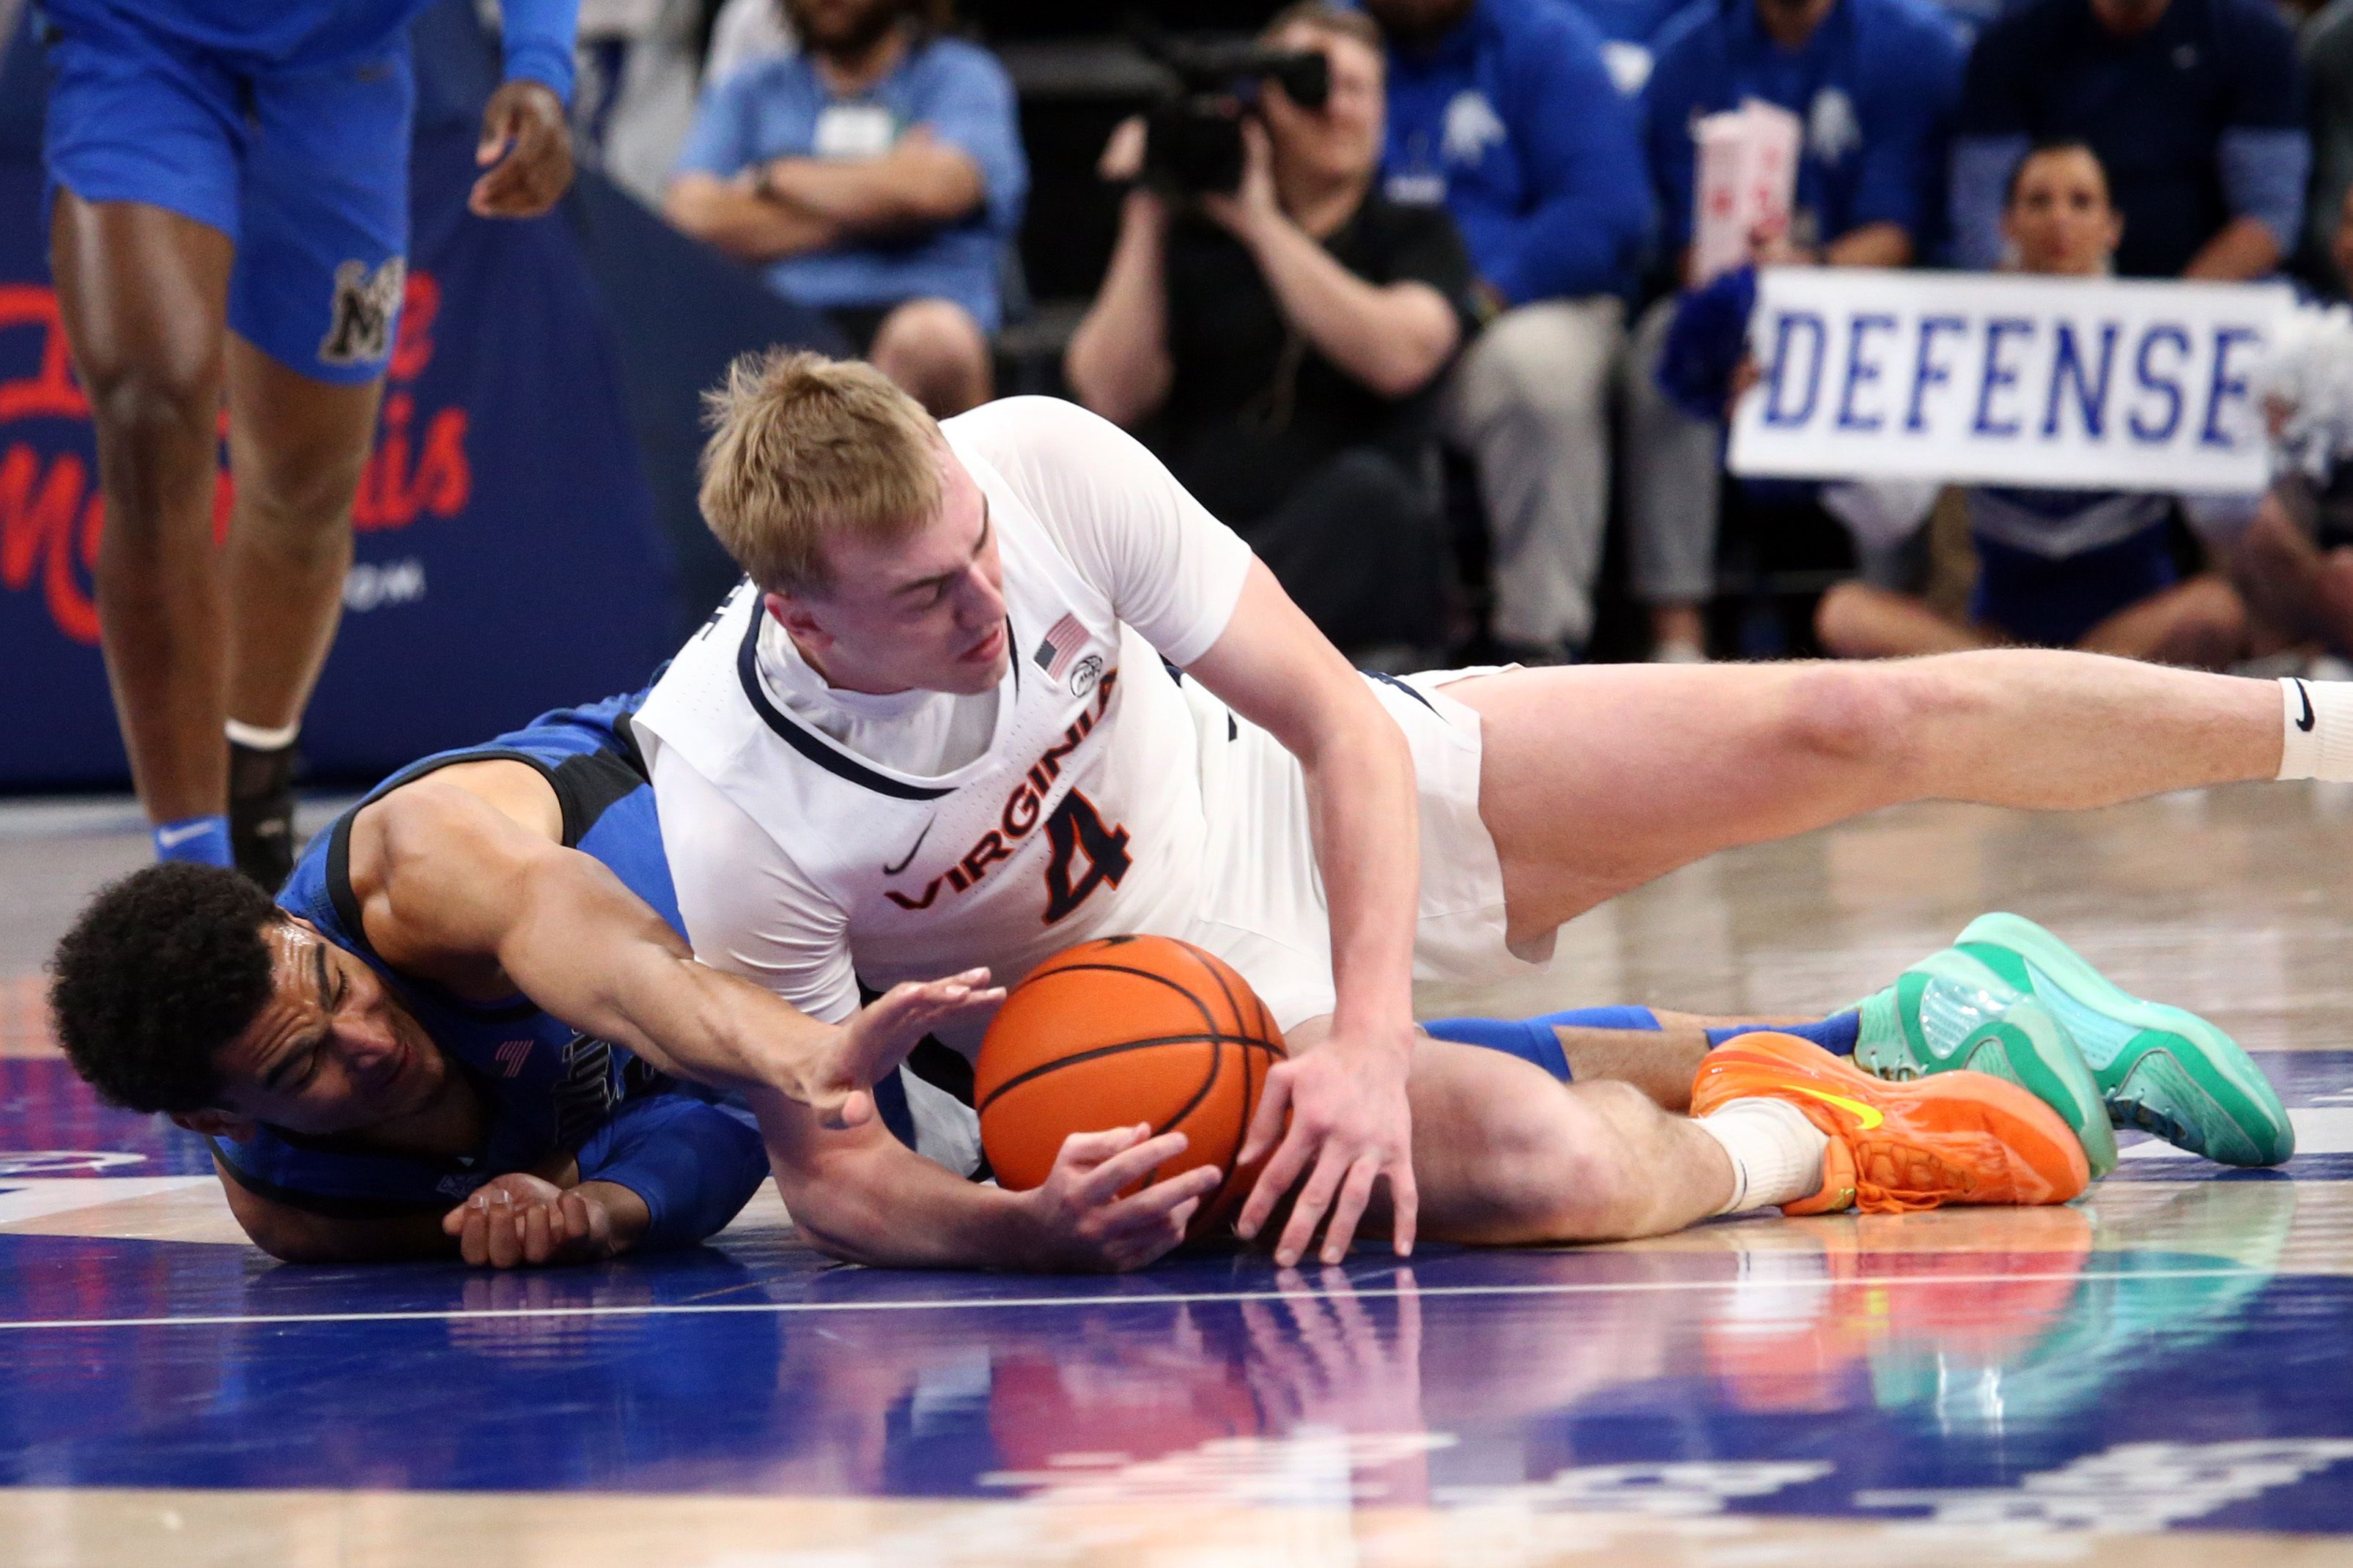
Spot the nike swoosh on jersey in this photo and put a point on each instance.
(918, 844)
(171, 837)
(1868, 1115)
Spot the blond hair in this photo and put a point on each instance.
(804, 448)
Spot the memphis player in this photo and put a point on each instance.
(934, 727)
(447, 1029)
(222, 164)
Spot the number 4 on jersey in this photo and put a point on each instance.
(1077, 828)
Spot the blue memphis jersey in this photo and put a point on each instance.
(546, 1085)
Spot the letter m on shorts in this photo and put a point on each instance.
(360, 330)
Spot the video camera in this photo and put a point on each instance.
(1192, 137)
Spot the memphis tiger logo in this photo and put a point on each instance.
(359, 327)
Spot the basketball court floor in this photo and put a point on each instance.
(2159, 1374)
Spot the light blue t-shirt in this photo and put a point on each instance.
(771, 109)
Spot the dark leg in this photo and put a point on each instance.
(143, 293)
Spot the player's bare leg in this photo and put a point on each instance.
(1505, 1154)
(297, 447)
(1599, 779)
(143, 293)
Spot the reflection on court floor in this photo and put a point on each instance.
(2161, 1374)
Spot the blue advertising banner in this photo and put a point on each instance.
(507, 556)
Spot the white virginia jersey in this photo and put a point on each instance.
(807, 865)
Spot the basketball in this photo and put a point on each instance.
(1126, 1030)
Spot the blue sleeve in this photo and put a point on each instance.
(696, 1164)
(538, 35)
(1592, 219)
(1902, 178)
(1671, 99)
(720, 141)
(2263, 177)
(970, 106)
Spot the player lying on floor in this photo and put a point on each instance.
(451, 1031)
(360, 1061)
(943, 721)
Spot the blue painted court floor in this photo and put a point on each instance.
(2159, 1373)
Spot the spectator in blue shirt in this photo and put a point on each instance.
(2195, 106)
(1503, 112)
(878, 175)
(1875, 83)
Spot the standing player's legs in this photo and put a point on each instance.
(1596, 780)
(142, 292)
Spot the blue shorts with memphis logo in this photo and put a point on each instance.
(302, 162)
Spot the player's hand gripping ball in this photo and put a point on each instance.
(1126, 1030)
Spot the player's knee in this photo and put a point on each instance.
(1851, 713)
(1546, 1181)
(139, 405)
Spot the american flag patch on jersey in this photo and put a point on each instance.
(1061, 645)
(513, 1053)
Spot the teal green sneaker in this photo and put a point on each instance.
(1950, 1011)
(2158, 1068)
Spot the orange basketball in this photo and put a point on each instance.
(1126, 1030)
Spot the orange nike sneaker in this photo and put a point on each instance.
(1956, 1138)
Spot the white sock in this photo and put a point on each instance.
(1776, 1153)
(254, 738)
(2317, 733)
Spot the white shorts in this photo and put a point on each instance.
(1261, 905)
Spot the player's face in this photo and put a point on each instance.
(332, 1051)
(927, 612)
(1343, 139)
(2060, 218)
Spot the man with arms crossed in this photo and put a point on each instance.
(936, 722)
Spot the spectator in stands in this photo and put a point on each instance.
(1280, 347)
(876, 174)
(1503, 110)
(1874, 83)
(2327, 50)
(2195, 106)
(2295, 565)
(2084, 569)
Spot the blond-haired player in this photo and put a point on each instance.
(998, 685)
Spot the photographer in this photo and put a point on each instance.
(1278, 347)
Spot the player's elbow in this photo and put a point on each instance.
(830, 1209)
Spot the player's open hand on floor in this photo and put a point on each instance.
(1350, 1127)
(1083, 1224)
(526, 146)
(878, 1036)
(519, 1221)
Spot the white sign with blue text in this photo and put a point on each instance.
(1979, 378)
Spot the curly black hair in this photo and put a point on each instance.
(164, 967)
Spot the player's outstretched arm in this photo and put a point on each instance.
(1349, 1127)
(453, 887)
(863, 1196)
(294, 1235)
